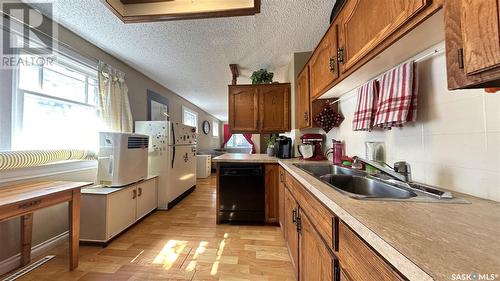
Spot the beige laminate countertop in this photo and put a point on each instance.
(245, 158)
(424, 241)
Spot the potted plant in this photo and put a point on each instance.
(271, 141)
(262, 77)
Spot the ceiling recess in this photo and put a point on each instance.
(130, 11)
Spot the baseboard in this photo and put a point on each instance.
(174, 202)
(41, 249)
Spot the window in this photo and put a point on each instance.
(189, 117)
(215, 128)
(56, 106)
(238, 140)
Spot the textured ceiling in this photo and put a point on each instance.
(191, 57)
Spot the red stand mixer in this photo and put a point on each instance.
(311, 147)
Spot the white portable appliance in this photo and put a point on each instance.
(172, 157)
(123, 158)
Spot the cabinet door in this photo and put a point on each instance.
(146, 198)
(272, 193)
(291, 209)
(121, 210)
(281, 198)
(243, 108)
(323, 68)
(274, 109)
(316, 262)
(480, 28)
(302, 100)
(365, 24)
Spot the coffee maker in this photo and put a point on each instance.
(283, 147)
(311, 147)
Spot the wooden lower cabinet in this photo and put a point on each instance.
(291, 234)
(315, 260)
(281, 199)
(272, 193)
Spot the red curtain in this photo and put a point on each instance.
(227, 135)
(248, 137)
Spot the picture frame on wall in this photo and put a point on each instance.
(158, 109)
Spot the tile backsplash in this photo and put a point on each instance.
(454, 144)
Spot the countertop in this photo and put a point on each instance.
(245, 158)
(105, 190)
(424, 241)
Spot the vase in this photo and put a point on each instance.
(270, 151)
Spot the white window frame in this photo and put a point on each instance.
(188, 110)
(238, 146)
(215, 128)
(18, 93)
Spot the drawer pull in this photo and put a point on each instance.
(29, 204)
(134, 192)
(140, 191)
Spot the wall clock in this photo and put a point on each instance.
(206, 127)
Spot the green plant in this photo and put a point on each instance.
(271, 141)
(262, 76)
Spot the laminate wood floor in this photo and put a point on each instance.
(183, 243)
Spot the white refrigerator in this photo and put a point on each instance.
(172, 157)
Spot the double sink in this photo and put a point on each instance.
(361, 185)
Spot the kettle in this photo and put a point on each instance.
(306, 150)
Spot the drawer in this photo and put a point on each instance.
(359, 260)
(323, 219)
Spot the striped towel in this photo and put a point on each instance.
(397, 103)
(365, 107)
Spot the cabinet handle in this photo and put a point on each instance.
(461, 58)
(306, 116)
(140, 191)
(134, 192)
(337, 272)
(294, 216)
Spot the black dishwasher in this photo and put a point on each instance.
(241, 193)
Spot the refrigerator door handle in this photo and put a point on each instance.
(173, 134)
(173, 156)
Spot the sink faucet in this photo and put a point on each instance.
(401, 172)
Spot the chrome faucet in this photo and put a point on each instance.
(401, 172)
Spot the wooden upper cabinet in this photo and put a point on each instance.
(472, 43)
(274, 107)
(366, 24)
(302, 101)
(316, 262)
(259, 108)
(243, 108)
(323, 67)
(480, 29)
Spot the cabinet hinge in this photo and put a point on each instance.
(299, 223)
(340, 55)
(461, 58)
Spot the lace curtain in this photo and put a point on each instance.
(113, 99)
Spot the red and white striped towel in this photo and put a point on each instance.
(397, 102)
(365, 107)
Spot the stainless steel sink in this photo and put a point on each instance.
(361, 185)
(358, 186)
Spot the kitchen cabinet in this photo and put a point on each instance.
(271, 182)
(365, 25)
(302, 98)
(359, 260)
(472, 43)
(291, 233)
(327, 248)
(323, 67)
(261, 108)
(316, 261)
(107, 212)
(281, 199)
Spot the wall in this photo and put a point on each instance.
(455, 142)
